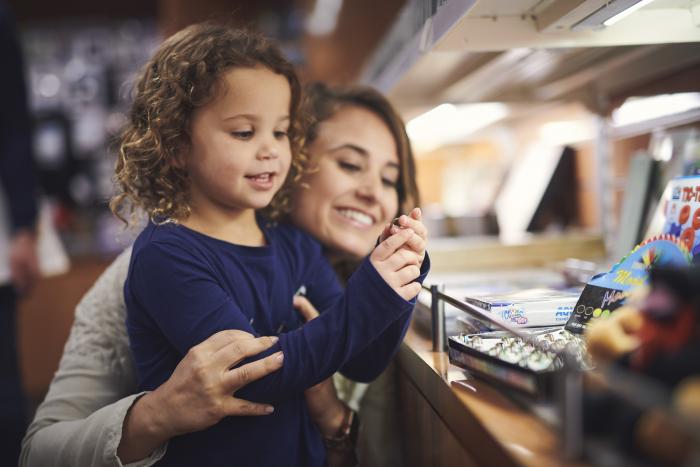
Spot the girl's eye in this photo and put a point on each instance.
(246, 134)
(280, 134)
(347, 166)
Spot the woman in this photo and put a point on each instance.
(364, 177)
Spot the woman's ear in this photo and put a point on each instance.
(179, 160)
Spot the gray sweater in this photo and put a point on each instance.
(80, 421)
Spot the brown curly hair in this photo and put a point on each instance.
(321, 102)
(183, 75)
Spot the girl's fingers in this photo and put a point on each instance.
(385, 249)
(406, 275)
(409, 291)
(304, 307)
(415, 224)
(416, 213)
(417, 244)
(402, 258)
(239, 377)
(386, 233)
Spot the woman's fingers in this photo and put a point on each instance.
(239, 349)
(221, 339)
(239, 407)
(304, 307)
(385, 249)
(239, 377)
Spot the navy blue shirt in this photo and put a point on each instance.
(17, 177)
(184, 286)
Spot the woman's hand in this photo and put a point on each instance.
(199, 393)
(326, 410)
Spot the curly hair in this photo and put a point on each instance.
(321, 102)
(182, 76)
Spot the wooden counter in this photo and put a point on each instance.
(452, 423)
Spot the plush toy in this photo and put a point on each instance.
(659, 339)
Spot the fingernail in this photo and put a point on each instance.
(279, 357)
(269, 409)
(274, 339)
(394, 229)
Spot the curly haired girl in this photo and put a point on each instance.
(213, 139)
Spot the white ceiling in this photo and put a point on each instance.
(495, 52)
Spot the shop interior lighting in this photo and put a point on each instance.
(324, 17)
(451, 124)
(641, 109)
(624, 13)
(567, 132)
(609, 13)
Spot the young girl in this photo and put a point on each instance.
(213, 137)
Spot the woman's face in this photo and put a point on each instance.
(352, 194)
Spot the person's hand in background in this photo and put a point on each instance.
(24, 262)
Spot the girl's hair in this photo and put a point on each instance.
(322, 102)
(182, 76)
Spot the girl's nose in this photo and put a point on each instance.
(266, 153)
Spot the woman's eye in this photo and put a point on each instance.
(347, 166)
(387, 182)
(246, 134)
(280, 134)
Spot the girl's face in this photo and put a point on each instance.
(352, 194)
(240, 153)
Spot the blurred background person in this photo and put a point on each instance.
(19, 268)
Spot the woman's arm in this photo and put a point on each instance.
(79, 422)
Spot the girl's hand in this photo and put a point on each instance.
(411, 221)
(326, 410)
(398, 263)
(199, 393)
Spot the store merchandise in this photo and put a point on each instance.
(606, 292)
(529, 308)
(528, 367)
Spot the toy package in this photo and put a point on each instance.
(678, 213)
(606, 292)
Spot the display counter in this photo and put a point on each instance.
(450, 421)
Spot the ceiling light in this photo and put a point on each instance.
(624, 13)
(450, 124)
(640, 109)
(609, 13)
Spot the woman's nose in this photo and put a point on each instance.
(369, 188)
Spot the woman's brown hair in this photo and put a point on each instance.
(183, 75)
(322, 102)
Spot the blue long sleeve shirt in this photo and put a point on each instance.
(184, 286)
